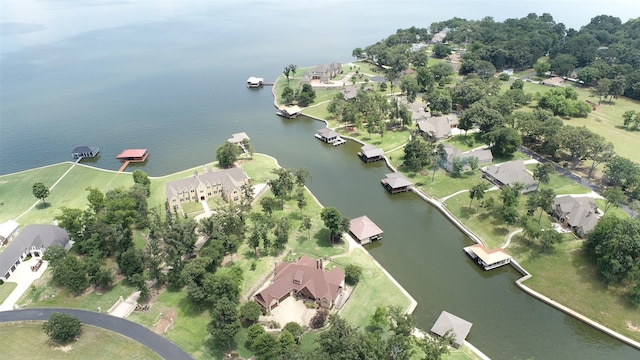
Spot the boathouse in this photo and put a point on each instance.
(396, 183)
(457, 327)
(369, 153)
(133, 155)
(330, 137)
(488, 259)
(364, 230)
(289, 112)
(238, 138)
(85, 152)
(254, 82)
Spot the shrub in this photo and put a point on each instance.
(319, 319)
(62, 327)
(250, 312)
(352, 274)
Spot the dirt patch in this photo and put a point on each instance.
(631, 326)
(65, 348)
(167, 319)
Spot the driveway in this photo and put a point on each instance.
(291, 310)
(137, 332)
(24, 277)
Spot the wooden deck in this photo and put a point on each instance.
(124, 166)
(126, 163)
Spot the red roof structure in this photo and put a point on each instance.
(307, 278)
(132, 154)
(364, 229)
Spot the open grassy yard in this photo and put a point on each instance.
(366, 295)
(27, 340)
(570, 277)
(606, 120)
(444, 184)
(560, 184)
(44, 294)
(15, 189)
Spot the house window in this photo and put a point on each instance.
(193, 191)
(174, 200)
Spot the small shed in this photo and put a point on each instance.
(459, 328)
(369, 153)
(364, 230)
(396, 183)
(133, 155)
(488, 259)
(85, 151)
(254, 82)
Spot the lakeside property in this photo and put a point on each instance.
(497, 234)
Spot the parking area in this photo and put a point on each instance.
(24, 276)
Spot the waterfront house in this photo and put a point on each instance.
(484, 157)
(578, 213)
(305, 278)
(85, 151)
(364, 230)
(457, 327)
(33, 240)
(369, 153)
(396, 183)
(436, 128)
(225, 183)
(488, 259)
(322, 73)
(510, 173)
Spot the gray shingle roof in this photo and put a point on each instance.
(447, 321)
(579, 211)
(38, 235)
(230, 179)
(510, 172)
(370, 151)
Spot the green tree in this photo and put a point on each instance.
(61, 327)
(439, 101)
(545, 199)
(227, 154)
(224, 324)
(541, 68)
(288, 95)
(282, 185)
(441, 50)
(268, 204)
(352, 274)
(504, 141)
(379, 319)
(301, 200)
(613, 196)
(334, 221)
(549, 239)
(306, 96)
(250, 312)
(40, 191)
(265, 346)
(477, 192)
(306, 224)
(130, 262)
(602, 89)
(294, 329)
(140, 177)
(253, 332)
(416, 154)
(542, 172)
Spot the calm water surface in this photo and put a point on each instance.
(169, 77)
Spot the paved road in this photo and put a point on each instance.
(137, 332)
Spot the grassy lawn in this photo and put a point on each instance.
(465, 142)
(366, 295)
(20, 184)
(392, 138)
(27, 340)
(570, 277)
(560, 184)
(6, 289)
(606, 120)
(67, 193)
(44, 294)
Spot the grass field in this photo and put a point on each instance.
(569, 277)
(26, 340)
(6, 289)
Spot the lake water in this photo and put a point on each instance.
(169, 77)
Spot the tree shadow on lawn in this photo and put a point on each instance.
(216, 350)
(42, 206)
(466, 213)
(190, 309)
(322, 239)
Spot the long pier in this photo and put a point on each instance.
(124, 165)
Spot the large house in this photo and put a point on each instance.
(484, 156)
(437, 127)
(305, 278)
(323, 73)
(33, 240)
(510, 173)
(201, 187)
(579, 213)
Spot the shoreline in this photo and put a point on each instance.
(526, 275)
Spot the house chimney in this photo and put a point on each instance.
(321, 268)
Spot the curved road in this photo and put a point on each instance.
(137, 332)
